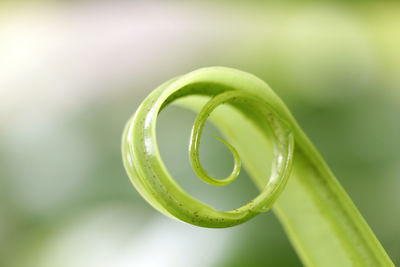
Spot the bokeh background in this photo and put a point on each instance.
(73, 72)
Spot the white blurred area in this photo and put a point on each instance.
(59, 56)
(54, 60)
(114, 236)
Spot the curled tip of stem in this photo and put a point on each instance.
(202, 174)
(194, 149)
(237, 161)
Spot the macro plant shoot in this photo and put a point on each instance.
(318, 216)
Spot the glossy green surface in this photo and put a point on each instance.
(322, 222)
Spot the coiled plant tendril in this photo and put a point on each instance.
(320, 219)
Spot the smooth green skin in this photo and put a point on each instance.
(320, 219)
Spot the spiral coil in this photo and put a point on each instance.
(246, 94)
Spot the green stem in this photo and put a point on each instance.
(320, 219)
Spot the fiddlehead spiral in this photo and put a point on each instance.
(313, 205)
(151, 178)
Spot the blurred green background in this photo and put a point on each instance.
(72, 73)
